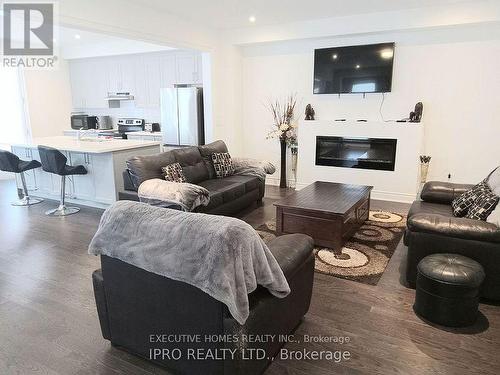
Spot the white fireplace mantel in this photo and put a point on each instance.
(400, 185)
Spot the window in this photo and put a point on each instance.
(13, 120)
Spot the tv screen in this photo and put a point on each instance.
(356, 69)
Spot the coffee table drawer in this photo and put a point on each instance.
(363, 210)
(322, 230)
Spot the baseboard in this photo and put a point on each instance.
(380, 195)
(274, 181)
(393, 196)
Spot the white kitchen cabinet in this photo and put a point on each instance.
(168, 73)
(44, 181)
(121, 74)
(26, 154)
(78, 84)
(147, 137)
(187, 68)
(97, 84)
(141, 88)
(104, 183)
(81, 186)
(89, 83)
(114, 75)
(105, 163)
(153, 77)
(127, 73)
(157, 137)
(142, 75)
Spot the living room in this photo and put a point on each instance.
(367, 209)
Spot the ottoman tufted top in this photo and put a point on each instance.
(452, 269)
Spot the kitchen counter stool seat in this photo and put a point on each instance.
(54, 161)
(9, 162)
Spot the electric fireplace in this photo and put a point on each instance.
(363, 153)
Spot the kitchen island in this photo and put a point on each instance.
(104, 159)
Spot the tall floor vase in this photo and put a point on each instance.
(283, 164)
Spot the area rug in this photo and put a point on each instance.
(365, 256)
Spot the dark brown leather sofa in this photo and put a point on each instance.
(228, 195)
(134, 304)
(432, 228)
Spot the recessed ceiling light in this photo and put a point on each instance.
(358, 66)
(252, 19)
(334, 56)
(77, 36)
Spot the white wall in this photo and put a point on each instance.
(49, 100)
(136, 21)
(454, 72)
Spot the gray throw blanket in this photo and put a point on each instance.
(162, 193)
(222, 256)
(252, 167)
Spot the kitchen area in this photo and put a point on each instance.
(122, 105)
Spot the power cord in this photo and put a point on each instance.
(380, 109)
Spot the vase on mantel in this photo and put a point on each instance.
(294, 151)
(283, 164)
(424, 170)
(425, 160)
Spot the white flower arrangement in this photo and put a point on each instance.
(284, 127)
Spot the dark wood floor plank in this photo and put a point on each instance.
(49, 323)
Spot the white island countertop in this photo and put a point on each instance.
(89, 145)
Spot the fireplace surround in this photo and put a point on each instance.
(356, 152)
(399, 185)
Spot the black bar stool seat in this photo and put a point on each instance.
(9, 162)
(71, 170)
(54, 161)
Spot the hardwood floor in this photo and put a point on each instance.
(49, 325)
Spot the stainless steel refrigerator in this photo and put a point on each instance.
(182, 116)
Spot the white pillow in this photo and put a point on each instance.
(494, 217)
(494, 181)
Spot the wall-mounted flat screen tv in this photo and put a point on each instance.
(356, 69)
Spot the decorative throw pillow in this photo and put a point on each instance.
(173, 172)
(494, 217)
(494, 181)
(464, 202)
(223, 164)
(483, 206)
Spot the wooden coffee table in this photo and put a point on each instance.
(328, 212)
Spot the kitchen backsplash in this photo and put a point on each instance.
(127, 109)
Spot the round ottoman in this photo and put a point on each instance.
(448, 289)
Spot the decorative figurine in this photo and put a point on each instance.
(416, 115)
(309, 113)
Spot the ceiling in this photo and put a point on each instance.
(73, 44)
(226, 14)
(79, 44)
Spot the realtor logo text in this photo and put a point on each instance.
(28, 35)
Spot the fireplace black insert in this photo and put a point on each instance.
(363, 153)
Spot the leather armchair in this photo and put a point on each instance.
(442, 192)
(134, 304)
(432, 228)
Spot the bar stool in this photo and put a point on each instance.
(54, 161)
(9, 162)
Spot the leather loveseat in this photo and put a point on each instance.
(228, 195)
(135, 305)
(432, 228)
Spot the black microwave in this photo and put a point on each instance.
(83, 122)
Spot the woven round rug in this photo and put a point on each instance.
(365, 256)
